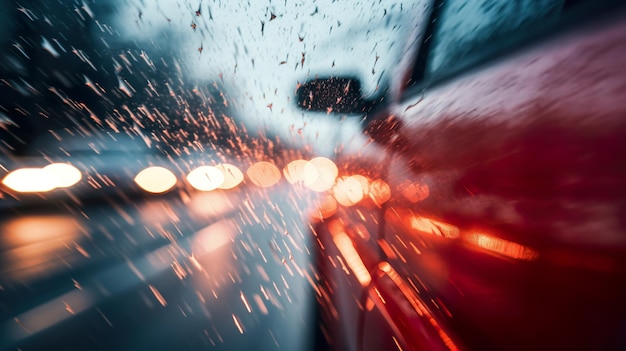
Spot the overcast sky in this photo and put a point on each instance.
(258, 48)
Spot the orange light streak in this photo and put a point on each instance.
(431, 226)
(418, 305)
(502, 246)
(352, 258)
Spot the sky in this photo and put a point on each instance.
(261, 50)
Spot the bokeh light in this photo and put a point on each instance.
(38, 180)
(296, 172)
(156, 179)
(232, 176)
(415, 191)
(379, 191)
(30, 180)
(65, 175)
(364, 181)
(205, 178)
(326, 207)
(264, 174)
(348, 191)
(320, 174)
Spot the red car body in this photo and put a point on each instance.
(506, 225)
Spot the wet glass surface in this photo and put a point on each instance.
(167, 181)
(146, 197)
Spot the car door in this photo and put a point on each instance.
(506, 226)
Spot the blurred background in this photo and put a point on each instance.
(92, 93)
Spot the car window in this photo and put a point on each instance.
(466, 28)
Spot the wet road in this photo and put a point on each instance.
(220, 270)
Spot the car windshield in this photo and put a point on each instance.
(143, 146)
(169, 72)
(312, 175)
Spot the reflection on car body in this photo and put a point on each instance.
(503, 145)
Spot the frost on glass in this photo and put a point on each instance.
(466, 28)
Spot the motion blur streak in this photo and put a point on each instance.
(119, 279)
(417, 304)
(502, 247)
(49, 314)
(210, 205)
(431, 226)
(156, 180)
(351, 256)
(263, 174)
(214, 237)
(205, 178)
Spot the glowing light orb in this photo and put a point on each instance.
(296, 172)
(326, 207)
(348, 191)
(320, 174)
(156, 179)
(64, 174)
(39, 180)
(379, 191)
(205, 178)
(232, 176)
(30, 180)
(263, 174)
(364, 181)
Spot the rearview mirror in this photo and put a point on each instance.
(333, 94)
